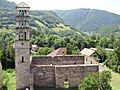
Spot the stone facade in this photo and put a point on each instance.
(52, 71)
(0, 76)
(22, 47)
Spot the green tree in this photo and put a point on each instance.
(44, 51)
(96, 81)
(104, 80)
(91, 82)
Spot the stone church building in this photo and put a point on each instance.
(45, 71)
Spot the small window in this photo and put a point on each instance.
(22, 43)
(25, 35)
(22, 59)
(74, 62)
(22, 24)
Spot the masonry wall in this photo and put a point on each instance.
(57, 60)
(44, 75)
(0, 76)
(74, 74)
(55, 75)
(22, 69)
(90, 60)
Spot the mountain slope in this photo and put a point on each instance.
(7, 5)
(40, 21)
(87, 19)
(109, 29)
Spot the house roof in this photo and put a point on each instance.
(34, 46)
(95, 49)
(109, 49)
(58, 52)
(23, 4)
(87, 52)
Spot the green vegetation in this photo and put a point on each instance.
(88, 20)
(96, 81)
(49, 32)
(9, 80)
(115, 81)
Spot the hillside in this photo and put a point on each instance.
(7, 6)
(40, 21)
(89, 20)
(109, 29)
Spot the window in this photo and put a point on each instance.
(21, 36)
(22, 59)
(22, 24)
(74, 62)
(22, 13)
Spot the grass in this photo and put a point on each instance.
(115, 81)
(9, 80)
(39, 23)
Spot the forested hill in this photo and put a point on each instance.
(40, 21)
(6, 5)
(89, 20)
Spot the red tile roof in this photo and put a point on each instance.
(58, 52)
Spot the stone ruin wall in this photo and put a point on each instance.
(48, 71)
(44, 75)
(0, 76)
(57, 60)
(74, 74)
(55, 75)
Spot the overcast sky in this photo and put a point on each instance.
(108, 5)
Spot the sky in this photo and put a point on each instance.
(107, 5)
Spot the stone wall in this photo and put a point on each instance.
(73, 73)
(22, 68)
(55, 75)
(0, 76)
(57, 60)
(53, 71)
(90, 60)
(44, 75)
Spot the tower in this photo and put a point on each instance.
(22, 47)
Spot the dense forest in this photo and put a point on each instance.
(49, 32)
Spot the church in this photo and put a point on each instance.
(45, 71)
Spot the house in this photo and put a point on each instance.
(88, 52)
(58, 52)
(35, 48)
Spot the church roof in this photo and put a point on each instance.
(58, 52)
(23, 4)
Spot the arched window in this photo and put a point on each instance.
(22, 13)
(22, 59)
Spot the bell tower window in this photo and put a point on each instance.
(22, 24)
(22, 13)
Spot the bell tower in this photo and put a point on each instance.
(22, 47)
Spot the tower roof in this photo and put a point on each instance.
(22, 5)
